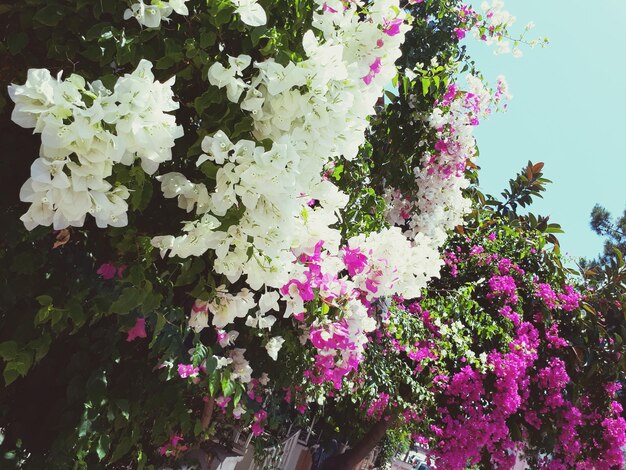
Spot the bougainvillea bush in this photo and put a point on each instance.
(219, 215)
(506, 356)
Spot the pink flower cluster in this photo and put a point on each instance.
(107, 271)
(174, 447)
(481, 420)
(503, 287)
(567, 301)
(378, 406)
(258, 423)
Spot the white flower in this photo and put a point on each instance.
(264, 379)
(63, 190)
(199, 319)
(269, 301)
(222, 361)
(251, 12)
(179, 6)
(221, 76)
(151, 15)
(238, 411)
(146, 15)
(273, 346)
(226, 307)
(261, 322)
(229, 339)
(241, 367)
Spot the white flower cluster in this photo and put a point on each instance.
(497, 18)
(396, 266)
(224, 309)
(496, 14)
(313, 111)
(438, 204)
(152, 15)
(86, 129)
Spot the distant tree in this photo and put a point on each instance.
(613, 229)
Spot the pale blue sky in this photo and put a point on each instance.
(568, 110)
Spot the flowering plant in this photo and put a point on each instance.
(222, 198)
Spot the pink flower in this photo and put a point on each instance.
(222, 402)
(172, 447)
(354, 260)
(257, 427)
(392, 27)
(107, 271)
(137, 331)
(441, 146)
(326, 8)
(460, 33)
(120, 271)
(375, 67)
(187, 370)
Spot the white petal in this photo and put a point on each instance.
(252, 14)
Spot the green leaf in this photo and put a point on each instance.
(338, 171)
(161, 320)
(76, 313)
(131, 298)
(228, 386)
(124, 407)
(140, 198)
(189, 272)
(122, 448)
(206, 99)
(237, 397)
(425, 85)
(44, 300)
(85, 427)
(8, 350)
(17, 42)
(10, 375)
(209, 169)
(49, 15)
(103, 446)
(256, 34)
(214, 383)
(207, 38)
(42, 316)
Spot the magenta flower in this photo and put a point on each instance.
(257, 427)
(354, 260)
(392, 27)
(375, 67)
(137, 331)
(222, 402)
(107, 271)
(187, 370)
(328, 9)
(173, 447)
